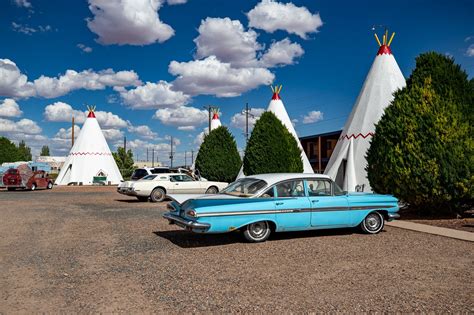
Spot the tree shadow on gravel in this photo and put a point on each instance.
(186, 239)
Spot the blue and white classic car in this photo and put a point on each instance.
(260, 204)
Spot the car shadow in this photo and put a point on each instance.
(186, 239)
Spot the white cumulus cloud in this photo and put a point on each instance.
(26, 126)
(281, 53)
(12, 82)
(271, 16)
(10, 108)
(312, 117)
(143, 131)
(239, 120)
(470, 51)
(23, 3)
(90, 80)
(228, 41)
(132, 22)
(210, 76)
(184, 118)
(63, 112)
(152, 96)
(84, 48)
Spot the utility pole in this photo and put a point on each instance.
(147, 155)
(72, 130)
(124, 149)
(247, 114)
(171, 152)
(209, 111)
(192, 157)
(152, 157)
(185, 160)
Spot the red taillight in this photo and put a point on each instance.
(191, 213)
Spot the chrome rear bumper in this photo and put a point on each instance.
(175, 219)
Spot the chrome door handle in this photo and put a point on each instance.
(314, 201)
(279, 203)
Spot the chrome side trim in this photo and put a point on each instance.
(325, 209)
(187, 223)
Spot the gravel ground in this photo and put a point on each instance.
(91, 250)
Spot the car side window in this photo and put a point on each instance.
(318, 187)
(293, 188)
(270, 193)
(187, 178)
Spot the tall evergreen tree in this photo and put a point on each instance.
(218, 158)
(422, 150)
(124, 162)
(24, 152)
(271, 148)
(44, 151)
(8, 151)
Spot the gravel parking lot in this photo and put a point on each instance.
(89, 249)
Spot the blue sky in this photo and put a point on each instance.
(149, 74)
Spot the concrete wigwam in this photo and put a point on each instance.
(90, 159)
(347, 163)
(276, 107)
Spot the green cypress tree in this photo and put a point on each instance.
(44, 151)
(218, 158)
(124, 162)
(449, 80)
(8, 151)
(271, 148)
(422, 151)
(24, 152)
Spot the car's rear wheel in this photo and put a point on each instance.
(257, 232)
(212, 190)
(143, 199)
(11, 188)
(157, 195)
(33, 186)
(50, 185)
(373, 223)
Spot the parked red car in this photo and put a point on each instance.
(14, 179)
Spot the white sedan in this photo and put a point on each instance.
(155, 187)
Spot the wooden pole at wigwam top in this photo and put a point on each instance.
(72, 131)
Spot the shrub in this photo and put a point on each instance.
(422, 151)
(218, 158)
(271, 148)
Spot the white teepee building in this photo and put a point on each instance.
(276, 107)
(215, 121)
(90, 160)
(347, 163)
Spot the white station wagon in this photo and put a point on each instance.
(156, 186)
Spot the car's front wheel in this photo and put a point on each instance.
(50, 185)
(143, 199)
(257, 232)
(212, 190)
(373, 223)
(157, 195)
(33, 186)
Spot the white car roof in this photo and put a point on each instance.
(273, 178)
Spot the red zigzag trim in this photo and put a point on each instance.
(371, 134)
(89, 153)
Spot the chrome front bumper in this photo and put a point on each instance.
(182, 222)
(392, 216)
(126, 191)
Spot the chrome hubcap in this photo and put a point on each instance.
(258, 230)
(372, 222)
(158, 194)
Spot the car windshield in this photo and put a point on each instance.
(245, 187)
(149, 177)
